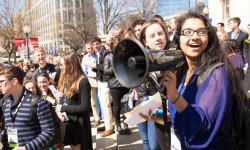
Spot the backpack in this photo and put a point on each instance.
(56, 122)
(240, 139)
(33, 117)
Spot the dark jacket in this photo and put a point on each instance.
(77, 110)
(240, 39)
(99, 67)
(109, 72)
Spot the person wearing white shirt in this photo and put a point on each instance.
(88, 60)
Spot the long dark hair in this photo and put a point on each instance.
(213, 53)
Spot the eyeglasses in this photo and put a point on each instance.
(190, 32)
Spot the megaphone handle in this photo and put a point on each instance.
(163, 88)
(166, 123)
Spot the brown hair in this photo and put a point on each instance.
(146, 25)
(38, 91)
(73, 71)
(12, 72)
(129, 31)
(235, 19)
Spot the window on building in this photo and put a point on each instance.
(58, 17)
(64, 3)
(70, 4)
(65, 16)
(77, 3)
(226, 12)
(58, 4)
(70, 15)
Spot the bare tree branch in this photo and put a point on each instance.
(82, 29)
(110, 12)
(10, 24)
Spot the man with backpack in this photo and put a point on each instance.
(23, 133)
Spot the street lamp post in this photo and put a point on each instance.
(26, 30)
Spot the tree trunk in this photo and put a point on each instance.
(9, 53)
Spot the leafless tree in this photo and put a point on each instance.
(144, 8)
(127, 21)
(83, 28)
(10, 24)
(110, 12)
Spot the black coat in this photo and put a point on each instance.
(240, 39)
(78, 113)
(99, 67)
(109, 72)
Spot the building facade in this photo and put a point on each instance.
(51, 21)
(222, 10)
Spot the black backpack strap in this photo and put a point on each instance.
(202, 77)
(33, 108)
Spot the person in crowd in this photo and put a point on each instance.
(90, 59)
(237, 34)
(31, 134)
(103, 89)
(50, 60)
(43, 81)
(20, 64)
(197, 114)
(75, 106)
(222, 35)
(220, 26)
(159, 19)
(109, 40)
(229, 47)
(116, 89)
(248, 39)
(118, 33)
(32, 69)
(248, 30)
(44, 67)
(172, 24)
(25, 70)
(136, 25)
(31, 86)
(129, 33)
(154, 36)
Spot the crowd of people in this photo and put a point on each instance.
(68, 89)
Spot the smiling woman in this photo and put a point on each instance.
(208, 108)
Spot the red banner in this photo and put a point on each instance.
(19, 42)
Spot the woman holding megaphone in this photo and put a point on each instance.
(200, 106)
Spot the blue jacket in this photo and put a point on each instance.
(209, 107)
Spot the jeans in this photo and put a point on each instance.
(148, 135)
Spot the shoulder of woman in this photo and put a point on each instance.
(82, 80)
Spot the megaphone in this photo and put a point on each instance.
(132, 62)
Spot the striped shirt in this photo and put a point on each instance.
(33, 135)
